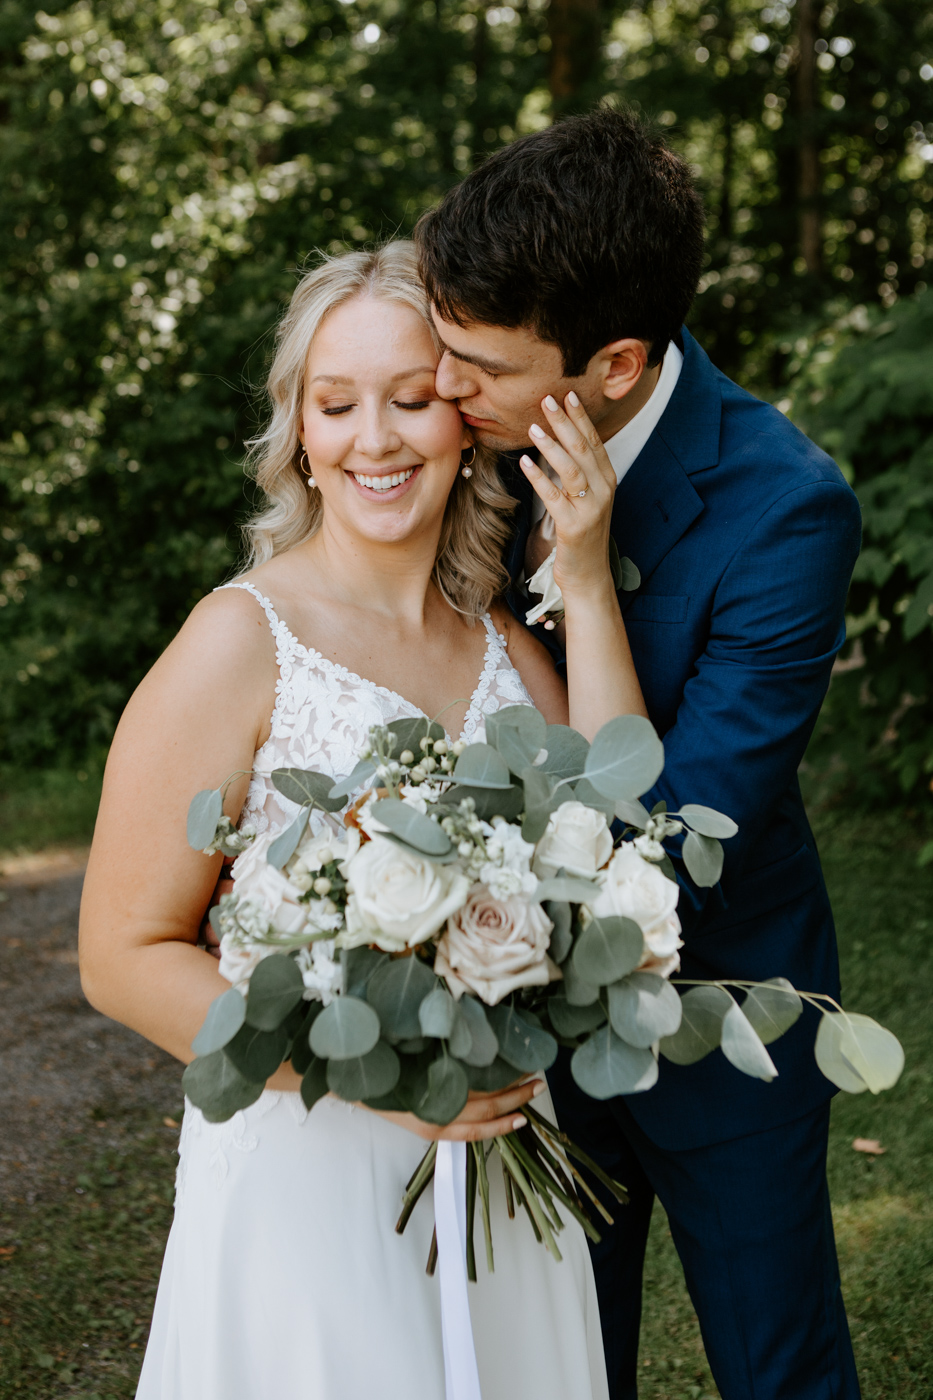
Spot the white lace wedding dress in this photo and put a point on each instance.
(283, 1276)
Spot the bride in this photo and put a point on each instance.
(370, 596)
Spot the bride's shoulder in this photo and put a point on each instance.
(534, 664)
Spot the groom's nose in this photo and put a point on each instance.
(453, 379)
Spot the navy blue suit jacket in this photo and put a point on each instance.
(745, 534)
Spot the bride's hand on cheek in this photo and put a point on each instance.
(582, 509)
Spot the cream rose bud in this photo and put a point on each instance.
(259, 882)
(494, 946)
(398, 899)
(578, 838)
(633, 888)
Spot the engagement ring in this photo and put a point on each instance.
(582, 493)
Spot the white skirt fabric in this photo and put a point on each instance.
(284, 1279)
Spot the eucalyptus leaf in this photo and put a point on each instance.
(362, 964)
(481, 766)
(584, 792)
(489, 802)
(567, 887)
(539, 803)
(314, 1083)
(666, 867)
(605, 1066)
(204, 813)
(413, 1045)
(515, 750)
(643, 1007)
(558, 911)
(700, 1030)
(361, 774)
(215, 1086)
(658, 808)
(225, 1016)
(525, 720)
(829, 1056)
(484, 1046)
(345, 1030)
(607, 949)
(707, 821)
(873, 1052)
(257, 1054)
(396, 992)
(275, 989)
(366, 1076)
(408, 734)
(703, 858)
(626, 758)
(437, 1014)
(412, 826)
(571, 1021)
(489, 1079)
(631, 576)
(772, 1008)
(301, 1055)
(461, 1041)
(742, 1047)
(305, 786)
(632, 813)
(447, 1090)
(566, 752)
(286, 843)
(577, 990)
(525, 1046)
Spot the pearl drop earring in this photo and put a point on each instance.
(305, 467)
(466, 467)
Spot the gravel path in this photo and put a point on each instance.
(62, 1064)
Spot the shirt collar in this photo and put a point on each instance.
(625, 446)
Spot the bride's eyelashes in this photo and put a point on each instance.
(345, 408)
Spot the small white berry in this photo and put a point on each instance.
(322, 885)
(406, 756)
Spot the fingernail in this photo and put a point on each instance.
(573, 400)
(518, 1123)
(526, 461)
(551, 403)
(539, 1088)
(536, 431)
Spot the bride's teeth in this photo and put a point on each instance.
(384, 483)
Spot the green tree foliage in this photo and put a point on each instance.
(864, 394)
(168, 165)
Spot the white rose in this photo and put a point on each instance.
(543, 582)
(238, 961)
(398, 898)
(577, 838)
(635, 889)
(259, 882)
(494, 946)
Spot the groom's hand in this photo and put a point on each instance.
(485, 1115)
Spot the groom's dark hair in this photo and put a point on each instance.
(585, 233)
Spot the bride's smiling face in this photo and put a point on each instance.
(383, 448)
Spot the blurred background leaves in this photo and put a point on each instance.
(167, 169)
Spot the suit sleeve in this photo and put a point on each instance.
(747, 713)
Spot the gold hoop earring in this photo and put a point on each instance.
(466, 467)
(306, 470)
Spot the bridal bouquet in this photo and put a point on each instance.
(475, 907)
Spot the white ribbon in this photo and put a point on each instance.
(460, 1373)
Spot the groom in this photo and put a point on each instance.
(569, 261)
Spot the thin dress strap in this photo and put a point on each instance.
(285, 642)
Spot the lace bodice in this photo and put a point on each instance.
(323, 713)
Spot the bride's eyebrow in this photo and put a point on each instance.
(402, 374)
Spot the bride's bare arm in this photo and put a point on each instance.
(601, 678)
(196, 718)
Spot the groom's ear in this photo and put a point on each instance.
(621, 365)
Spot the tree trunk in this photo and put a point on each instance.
(575, 31)
(810, 183)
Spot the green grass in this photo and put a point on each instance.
(48, 807)
(76, 1293)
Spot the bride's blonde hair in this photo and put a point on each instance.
(468, 570)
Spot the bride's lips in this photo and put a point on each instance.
(403, 476)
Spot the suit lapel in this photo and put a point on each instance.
(656, 502)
